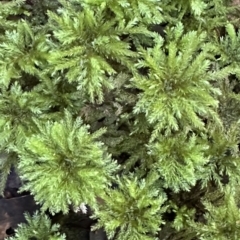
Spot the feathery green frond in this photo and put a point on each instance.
(90, 46)
(133, 211)
(22, 50)
(66, 157)
(224, 153)
(17, 110)
(7, 161)
(38, 227)
(229, 47)
(10, 9)
(180, 160)
(146, 11)
(222, 221)
(176, 93)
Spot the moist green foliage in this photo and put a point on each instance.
(88, 45)
(216, 226)
(23, 50)
(130, 107)
(38, 227)
(180, 161)
(8, 13)
(181, 78)
(136, 210)
(66, 157)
